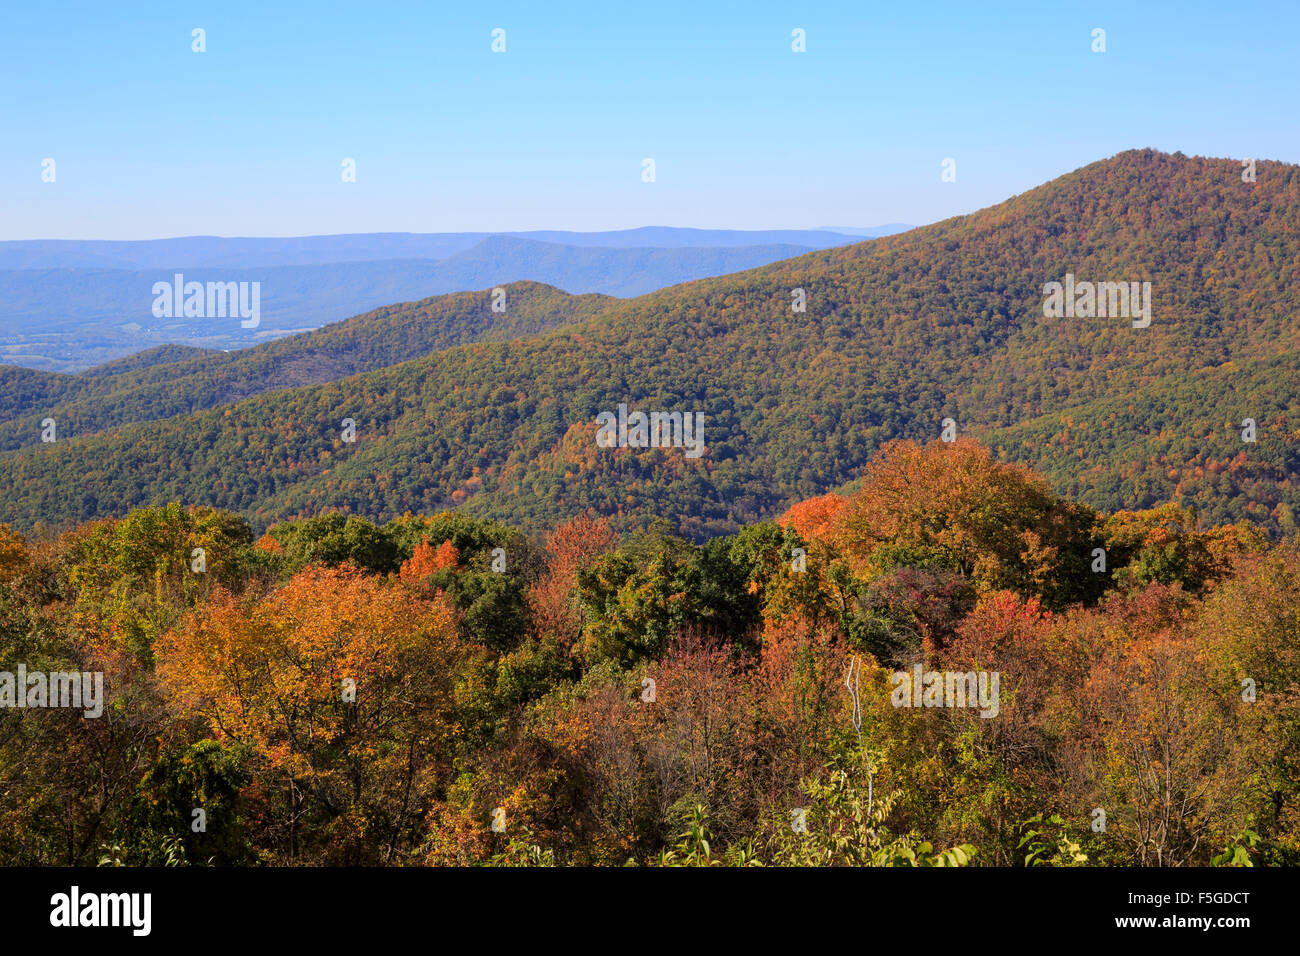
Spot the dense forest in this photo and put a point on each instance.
(66, 305)
(493, 414)
(172, 380)
(448, 689)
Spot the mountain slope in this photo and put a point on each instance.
(216, 252)
(86, 315)
(899, 333)
(173, 380)
(160, 355)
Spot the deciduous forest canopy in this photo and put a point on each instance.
(341, 692)
(494, 413)
(474, 636)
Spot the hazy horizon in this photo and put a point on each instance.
(841, 230)
(780, 115)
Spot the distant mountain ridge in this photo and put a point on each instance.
(172, 380)
(896, 336)
(255, 252)
(68, 305)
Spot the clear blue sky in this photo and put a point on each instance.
(153, 140)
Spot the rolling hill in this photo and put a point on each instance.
(945, 321)
(219, 252)
(171, 380)
(66, 305)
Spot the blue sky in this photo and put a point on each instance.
(152, 140)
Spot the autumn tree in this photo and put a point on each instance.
(553, 600)
(342, 687)
(950, 506)
(1247, 635)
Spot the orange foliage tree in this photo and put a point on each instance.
(427, 560)
(950, 505)
(341, 685)
(572, 546)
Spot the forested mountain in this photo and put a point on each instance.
(172, 380)
(159, 355)
(254, 252)
(945, 321)
(574, 698)
(67, 305)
